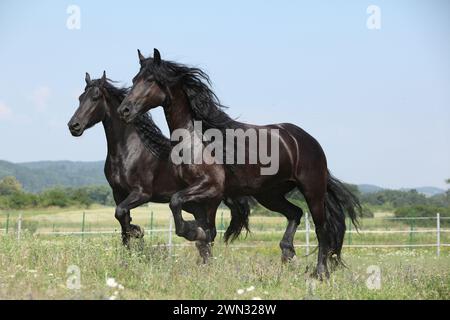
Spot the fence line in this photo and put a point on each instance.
(149, 232)
(237, 246)
(409, 218)
(438, 230)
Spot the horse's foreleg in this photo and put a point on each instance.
(209, 198)
(204, 246)
(133, 200)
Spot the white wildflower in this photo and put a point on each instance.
(240, 291)
(111, 282)
(250, 288)
(256, 298)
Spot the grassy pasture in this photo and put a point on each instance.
(36, 266)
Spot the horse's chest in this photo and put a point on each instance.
(117, 172)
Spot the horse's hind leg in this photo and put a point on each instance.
(293, 213)
(317, 207)
(316, 204)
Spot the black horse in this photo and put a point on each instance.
(185, 95)
(137, 165)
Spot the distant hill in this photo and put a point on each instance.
(37, 176)
(428, 191)
(369, 188)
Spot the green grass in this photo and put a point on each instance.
(36, 266)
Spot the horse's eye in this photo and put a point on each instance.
(96, 94)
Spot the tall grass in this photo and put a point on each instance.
(36, 268)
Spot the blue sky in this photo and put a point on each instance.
(378, 101)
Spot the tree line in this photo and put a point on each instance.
(12, 196)
(408, 203)
(402, 203)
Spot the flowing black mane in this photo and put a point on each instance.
(118, 93)
(204, 103)
(152, 137)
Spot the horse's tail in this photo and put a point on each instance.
(338, 201)
(240, 211)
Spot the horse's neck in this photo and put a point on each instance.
(178, 113)
(117, 131)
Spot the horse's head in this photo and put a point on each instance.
(92, 107)
(147, 91)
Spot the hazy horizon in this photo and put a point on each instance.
(378, 101)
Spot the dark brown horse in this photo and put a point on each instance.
(185, 95)
(137, 165)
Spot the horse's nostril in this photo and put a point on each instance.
(126, 111)
(75, 126)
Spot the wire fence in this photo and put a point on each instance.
(307, 230)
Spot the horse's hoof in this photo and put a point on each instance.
(136, 231)
(321, 273)
(288, 255)
(204, 249)
(192, 232)
(285, 259)
(126, 243)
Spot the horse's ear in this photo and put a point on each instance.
(103, 80)
(156, 56)
(88, 79)
(141, 57)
